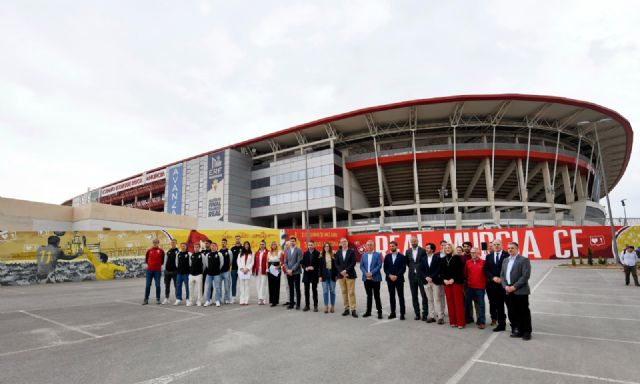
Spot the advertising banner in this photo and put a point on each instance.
(319, 237)
(132, 183)
(534, 243)
(215, 185)
(173, 191)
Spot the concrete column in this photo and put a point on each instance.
(454, 195)
(294, 222)
(304, 220)
(524, 194)
(416, 189)
(546, 177)
(275, 221)
(566, 183)
(320, 221)
(490, 192)
(580, 181)
(380, 184)
(349, 218)
(334, 214)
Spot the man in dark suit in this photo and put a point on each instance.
(394, 267)
(292, 260)
(516, 271)
(414, 256)
(311, 267)
(430, 270)
(346, 262)
(493, 269)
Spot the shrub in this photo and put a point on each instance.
(589, 256)
(573, 261)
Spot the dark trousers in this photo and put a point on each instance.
(155, 276)
(274, 288)
(294, 287)
(496, 293)
(396, 286)
(519, 313)
(469, 306)
(169, 276)
(372, 288)
(234, 282)
(414, 287)
(314, 287)
(630, 270)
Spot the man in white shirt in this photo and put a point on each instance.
(629, 259)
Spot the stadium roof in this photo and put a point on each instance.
(615, 133)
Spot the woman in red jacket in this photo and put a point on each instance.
(452, 274)
(260, 271)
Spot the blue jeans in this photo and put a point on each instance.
(155, 275)
(476, 294)
(226, 282)
(328, 288)
(234, 282)
(180, 279)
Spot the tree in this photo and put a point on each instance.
(589, 256)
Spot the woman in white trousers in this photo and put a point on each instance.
(245, 265)
(260, 272)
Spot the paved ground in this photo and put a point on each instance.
(586, 329)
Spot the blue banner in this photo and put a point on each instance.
(173, 194)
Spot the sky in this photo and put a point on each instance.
(92, 92)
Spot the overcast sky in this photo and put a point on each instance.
(94, 91)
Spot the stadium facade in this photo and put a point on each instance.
(451, 162)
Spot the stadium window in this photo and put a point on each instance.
(339, 192)
(260, 202)
(260, 183)
(337, 170)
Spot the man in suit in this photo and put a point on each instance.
(370, 265)
(493, 270)
(311, 266)
(395, 265)
(516, 271)
(346, 262)
(414, 256)
(293, 257)
(430, 270)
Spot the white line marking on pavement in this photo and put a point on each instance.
(171, 377)
(165, 307)
(69, 327)
(469, 363)
(585, 302)
(589, 338)
(150, 326)
(64, 343)
(590, 377)
(541, 280)
(585, 317)
(45, 347)
(591, 295)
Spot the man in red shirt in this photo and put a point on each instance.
(476, 284)
(154, 259)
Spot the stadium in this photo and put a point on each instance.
(472, 161)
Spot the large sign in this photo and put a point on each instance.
(215, 185)
(534, 243)
(132, 183)
(173, 192)
(319, 237)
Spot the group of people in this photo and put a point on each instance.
(457, 276)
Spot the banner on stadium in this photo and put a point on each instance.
(534, 243)
(173, 192)
(319, 237)
(215, 185)
(132, 183)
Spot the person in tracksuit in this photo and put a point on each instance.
(182, 273)
(170, 270)
(213, 261)
(225, 273)
(196, 268)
